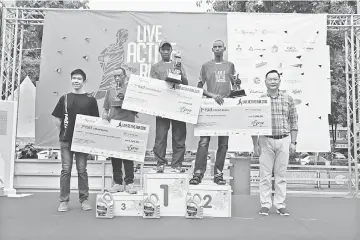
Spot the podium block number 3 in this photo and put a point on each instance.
(208, 199)
(166, 194)
(123, 206)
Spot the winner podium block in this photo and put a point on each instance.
(216, 199)
(126, 204)
(171, 188)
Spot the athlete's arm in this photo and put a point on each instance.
(57, 123)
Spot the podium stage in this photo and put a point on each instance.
(312, 218)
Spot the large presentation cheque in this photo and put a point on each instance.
(117, 139)
(163, 99)
(244, 116)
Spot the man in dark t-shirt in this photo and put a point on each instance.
(68, 106)
(113, 110)
(160, 71)
(218, 75)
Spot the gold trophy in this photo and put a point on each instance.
(236, 91)
(174, 75)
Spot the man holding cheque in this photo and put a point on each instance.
(218, 74)
(113, 110)
(161, 71)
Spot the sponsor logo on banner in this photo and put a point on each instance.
(274, 49)
(256, 80)
(296, 91)
(244, 32)
(291, 49)
(261, 64)
(238, 48)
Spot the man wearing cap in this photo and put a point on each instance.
(274, 150)
(218, 75)
(113, 110)
(160, 71)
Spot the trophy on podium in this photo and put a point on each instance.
(175, 73)
(236, 91)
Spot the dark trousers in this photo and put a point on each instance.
(117, 171)
(67, 157)
(178, 141)
(202, 153)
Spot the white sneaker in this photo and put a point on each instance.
(130, 188)
(63, 207)
(116, 188)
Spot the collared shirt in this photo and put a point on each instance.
(113, 102)
(283, 114)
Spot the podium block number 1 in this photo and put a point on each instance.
(165, 187)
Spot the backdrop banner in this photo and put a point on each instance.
(100, 41)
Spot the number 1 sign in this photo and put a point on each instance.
(171, 189)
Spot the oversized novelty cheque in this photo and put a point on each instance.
(244, 116)
(164, 99)
(119, 139)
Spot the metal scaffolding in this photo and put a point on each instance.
(15, 19)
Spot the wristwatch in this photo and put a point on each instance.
(294, 143)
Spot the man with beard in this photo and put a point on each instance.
(218, 74)
(160, 71)
(113, 110)
(69, 105)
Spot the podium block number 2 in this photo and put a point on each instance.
(208, 199)
(166, 194)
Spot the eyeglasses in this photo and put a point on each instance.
(273, 79)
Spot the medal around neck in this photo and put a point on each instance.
(174, 75)
(151, 206)
(105, 205)
(194, 208)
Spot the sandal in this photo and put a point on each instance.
(219, 180)
(195, 180)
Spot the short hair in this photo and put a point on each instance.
(272, 71)
(220, 41)
(78, 72)
(123, 70)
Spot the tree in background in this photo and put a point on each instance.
(33, 35)
(335, 39)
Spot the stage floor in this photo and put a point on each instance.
(35, 218)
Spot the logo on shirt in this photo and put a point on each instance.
(220, 76)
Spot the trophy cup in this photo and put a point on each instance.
(119, 97)
(174, 75)
(237, 91)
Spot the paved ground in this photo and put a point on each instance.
(36, 218)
